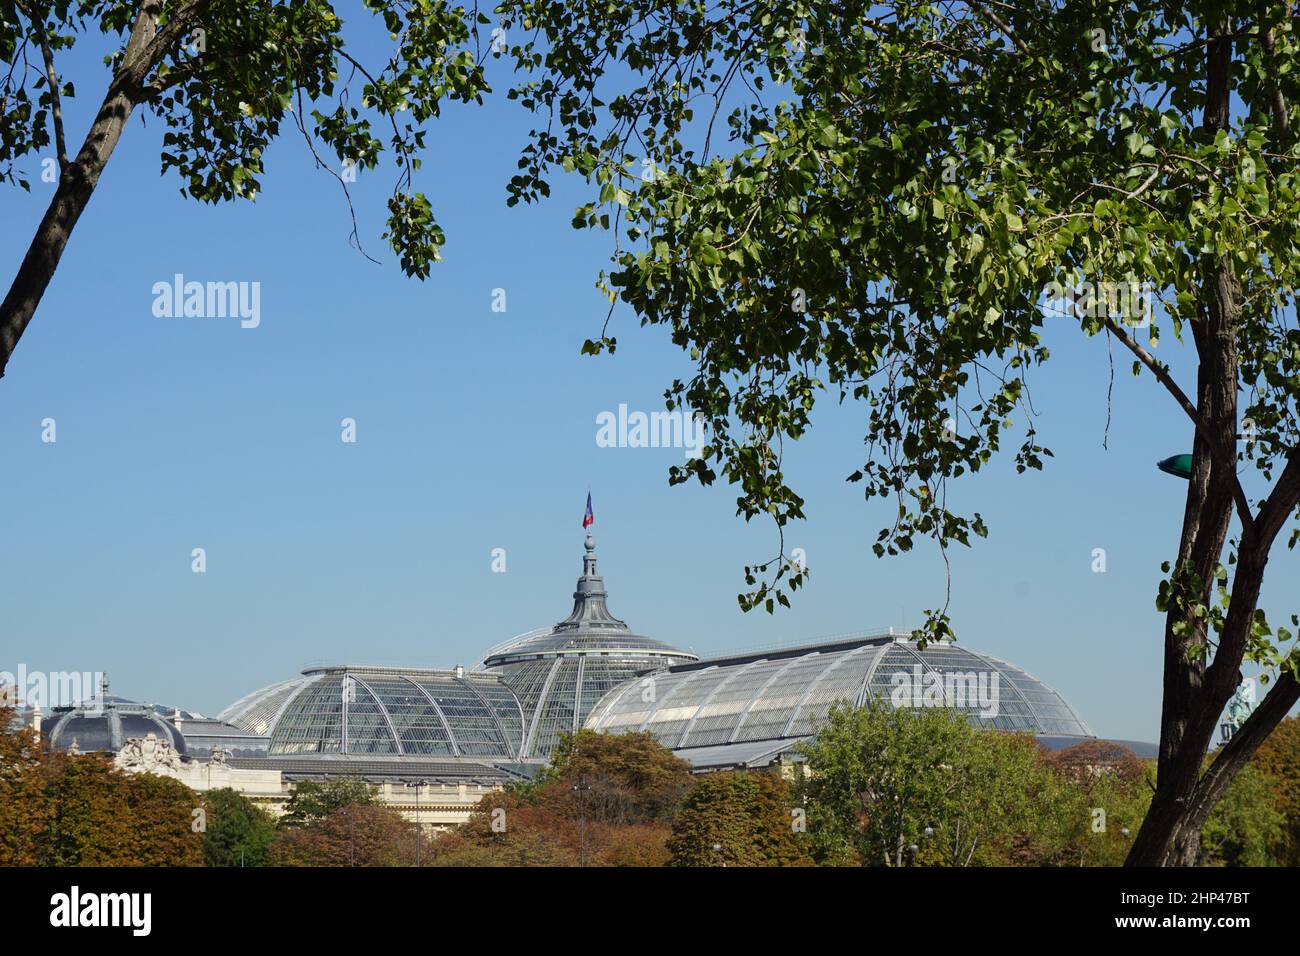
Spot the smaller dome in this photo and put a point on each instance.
(589, 629)
(105, 726)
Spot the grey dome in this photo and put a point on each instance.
(787, 694)
(105, 726)
(560, 673)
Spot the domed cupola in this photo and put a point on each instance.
(106, 724)
(561, 672)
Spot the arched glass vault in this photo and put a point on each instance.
(789, 693)
(393, 711)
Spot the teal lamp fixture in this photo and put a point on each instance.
(1180, 466)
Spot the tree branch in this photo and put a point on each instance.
(51, 78)
(1001, 24)
(1233, 756)
(1277, 102)
(1226, 458)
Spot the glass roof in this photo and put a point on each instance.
(560, 674)
(558, 692)
(257, 712)
(386, 711)
(589, 628)
(784, 695)
(591, 670)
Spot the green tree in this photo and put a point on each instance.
(746, 815)
(879, 199)
(902, 787)
(312, 801)
(238, 832)
(1246, 827)
(1101, 794)
(226, 78)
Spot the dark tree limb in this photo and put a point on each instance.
(145, 48)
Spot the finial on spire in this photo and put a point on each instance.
(589, 610)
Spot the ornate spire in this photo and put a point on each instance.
(589, 610)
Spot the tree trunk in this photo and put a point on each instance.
(79, 178)
(1165, 838)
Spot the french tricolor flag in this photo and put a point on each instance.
(589, 518)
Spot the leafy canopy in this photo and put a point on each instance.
(230, 76)
(879, 200)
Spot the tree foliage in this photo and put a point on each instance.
(238, 831)
(614, 778)
(1099, 796)
(604, 799)
(1278, 760)
(104, 817)
(1247, 827)
(313, 800)
(1090, 761)
(888, 202)
(356, 834)
(907, 787)
(737, 819)
(25, 808)
(226, 78)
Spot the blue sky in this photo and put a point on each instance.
(476, 430)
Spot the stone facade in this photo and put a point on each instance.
(436, 806)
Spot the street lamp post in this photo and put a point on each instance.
(580, 788)
(419, 830)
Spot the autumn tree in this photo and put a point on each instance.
(353, 835)
(1089, 761)
(1278, 760)
(226, 78)
(104, 817)
(164, 814)
(25, 808)
(508, 830)
(738, 819)
(604, 799)
(614, 778)
(313, 800)
(888, 202)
